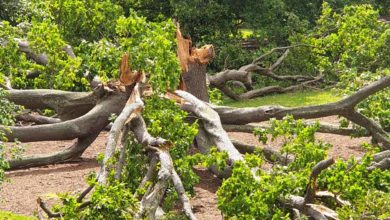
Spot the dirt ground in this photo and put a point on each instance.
(23, 187)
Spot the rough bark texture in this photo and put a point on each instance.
(195, 81)
(193, 63)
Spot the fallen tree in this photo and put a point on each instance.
(83, 115)
(210, 122)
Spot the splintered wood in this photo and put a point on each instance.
(126, 75)
(188, 54)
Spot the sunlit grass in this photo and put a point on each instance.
(11, 216)
(295, 99)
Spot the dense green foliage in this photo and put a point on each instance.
(350, 47)
(49, 26)
(245, 197)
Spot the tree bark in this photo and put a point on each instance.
(92, 122)
(195, 81)
(68, 105)
(72, 153)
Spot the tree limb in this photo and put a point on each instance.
(72, 153)
(92, 122)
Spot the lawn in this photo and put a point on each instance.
(295, 99)
(10, 216)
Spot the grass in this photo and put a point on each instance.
(295, 99)
(11, 216)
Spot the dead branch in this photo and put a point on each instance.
(260, 58)
(324, 128)
(304, 204)
(182, 195)
(115, 133)
(344, 107)
(243, 74)
(92, 122)
(68, 105)
(266, 90)
(70, 154)
(37, 119)
(268, 152)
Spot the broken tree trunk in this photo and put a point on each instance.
(193, 64)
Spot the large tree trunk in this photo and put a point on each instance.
(193, 63)
(195, 80)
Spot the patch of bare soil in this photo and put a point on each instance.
(19, 194)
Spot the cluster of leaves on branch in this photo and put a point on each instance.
(245, 197)
(99, 33)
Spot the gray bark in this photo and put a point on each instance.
(92, 122)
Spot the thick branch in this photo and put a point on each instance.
(92, 122)
(72, 153)
(344, 107)
(68, 105)
(151, 201)
(212, 124)
(275, 89)
(324, 128)
(304, 205)
(114, 135)
(375, 130)
(311, 186)
(268, 152)
(37, 119)
(182, 195)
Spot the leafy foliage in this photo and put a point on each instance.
(245, 196)
(349, 47)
